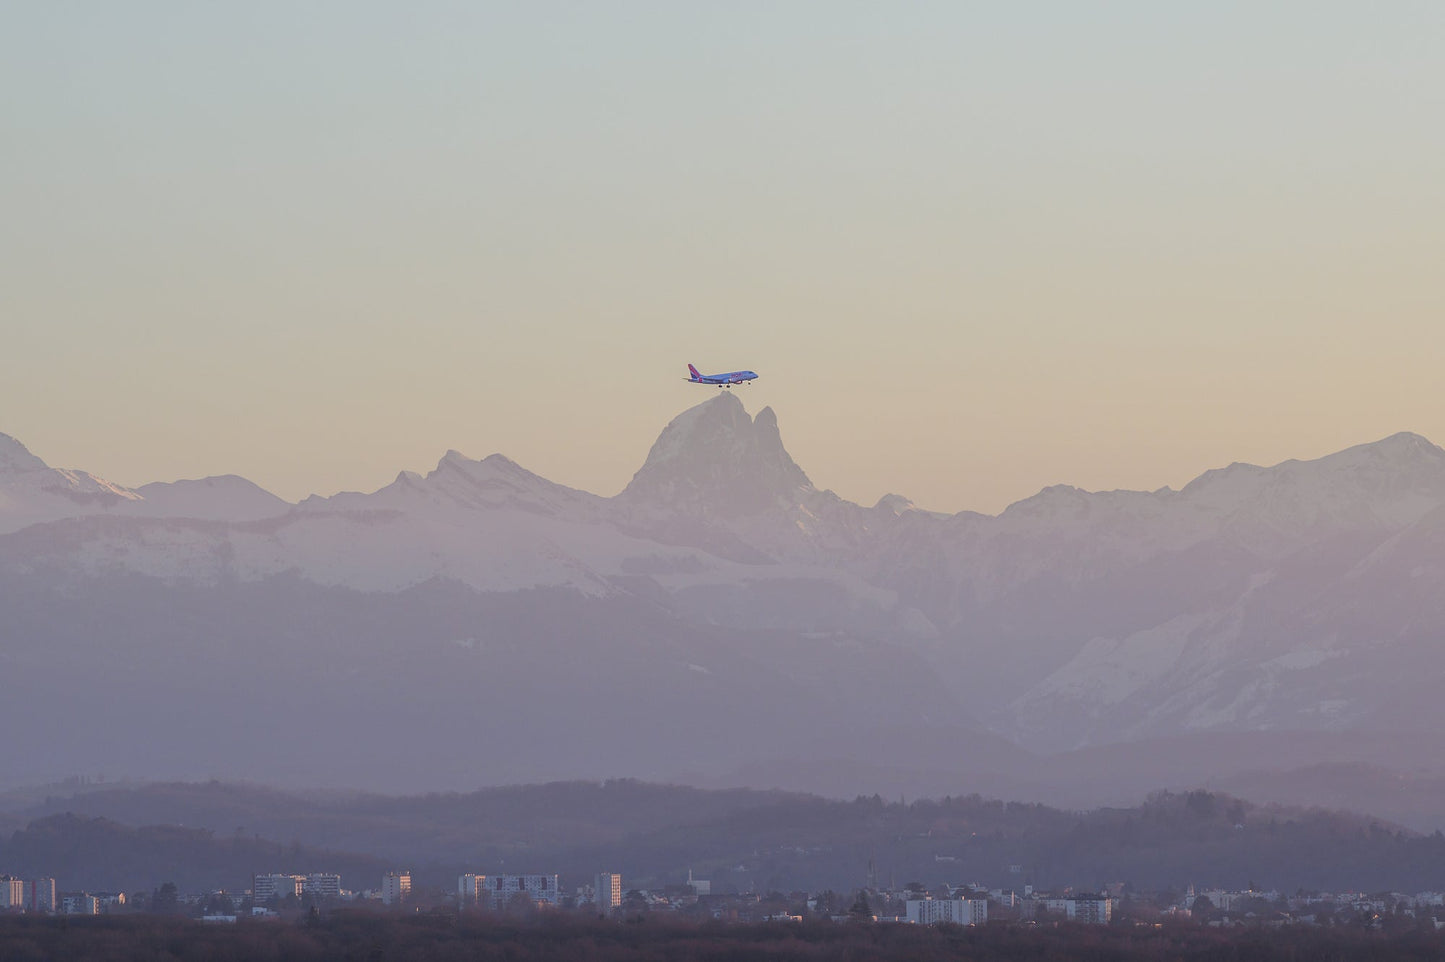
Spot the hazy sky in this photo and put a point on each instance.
(972, 248)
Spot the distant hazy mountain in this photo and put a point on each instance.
(31, 491)
(226, 498)
(722, 614)
(740, 841)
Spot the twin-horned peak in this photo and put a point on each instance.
(714, 459)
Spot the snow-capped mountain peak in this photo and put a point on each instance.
(227, 497)
(459, 482)
(1395, 480)
(1404, 455)
(713, 460)
(497, 481)
(894, 504)
(32, 491)
(15, 457)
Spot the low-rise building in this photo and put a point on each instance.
(79, 903)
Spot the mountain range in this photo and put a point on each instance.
(722, 618)
(217, 835)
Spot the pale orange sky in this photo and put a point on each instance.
(972, 251)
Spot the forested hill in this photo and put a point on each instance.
(745, 840)
(438, 826)
(99, 855)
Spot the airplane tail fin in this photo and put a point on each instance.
(693, 371)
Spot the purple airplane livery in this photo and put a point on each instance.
(721, 380)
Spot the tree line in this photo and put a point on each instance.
(358, 936)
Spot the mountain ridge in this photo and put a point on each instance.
(1302, 596)
(742, 840)
(724, 417)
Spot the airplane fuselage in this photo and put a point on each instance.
(720, 380)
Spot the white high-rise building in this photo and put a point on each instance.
(469, 887)
(79, 903)
(1097, 909)
(322, 885)
(40, 895)
(12, 892)
(395, 888)
(957, 911)
(264, 888)
(608, 891)
(495, 891)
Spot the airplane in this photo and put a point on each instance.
(721, 380)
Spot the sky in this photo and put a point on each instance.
(972, 249)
